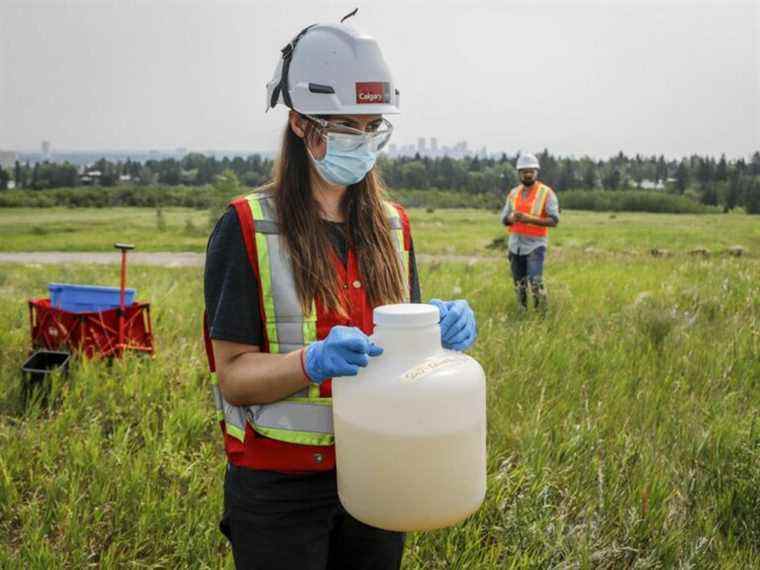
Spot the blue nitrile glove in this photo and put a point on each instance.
(340, 354)
(458, 327)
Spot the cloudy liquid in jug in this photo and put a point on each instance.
(448, 476)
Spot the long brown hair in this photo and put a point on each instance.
(305, 233)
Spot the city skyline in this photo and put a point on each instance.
(460, 149)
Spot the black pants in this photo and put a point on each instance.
(296, 522)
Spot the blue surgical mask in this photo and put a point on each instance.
(347, 160)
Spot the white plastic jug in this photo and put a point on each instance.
(410, 429)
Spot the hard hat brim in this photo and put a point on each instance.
(385, 109)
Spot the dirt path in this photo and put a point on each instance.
(168, 258)
(161, 258)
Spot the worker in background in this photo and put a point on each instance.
(531, 209)
(293, 273)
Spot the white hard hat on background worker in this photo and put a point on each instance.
(527, 160)
(333, 69)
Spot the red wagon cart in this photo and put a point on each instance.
(107, 332)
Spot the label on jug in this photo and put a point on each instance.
(431, 365)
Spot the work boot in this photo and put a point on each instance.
(540, 298)
(521, 290)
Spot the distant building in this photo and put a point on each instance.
(46, 150)
(652, 185)
(90, 178)
(435, 150)
(7, 159)
(460, 150)
(408, 150)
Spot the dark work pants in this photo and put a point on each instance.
(296, 522)
(528, 270)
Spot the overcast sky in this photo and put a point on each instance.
(672, 77)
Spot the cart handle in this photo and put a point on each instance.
(124, 247)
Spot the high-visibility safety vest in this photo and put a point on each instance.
(534, 204)
(294, 434)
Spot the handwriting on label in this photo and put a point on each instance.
(431, 365)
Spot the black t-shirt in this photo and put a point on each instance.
(231, 289)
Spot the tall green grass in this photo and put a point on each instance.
(623, 428)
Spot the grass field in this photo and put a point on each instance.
(624, 429)
(462, 232)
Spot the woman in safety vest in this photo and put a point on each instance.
(293, 272)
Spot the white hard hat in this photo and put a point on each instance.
(527, 161)
(332, 69)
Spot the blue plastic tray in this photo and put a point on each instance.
(87, 298)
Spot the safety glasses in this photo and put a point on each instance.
(348, 138)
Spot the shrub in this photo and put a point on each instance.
(432, 199)
(190, 228)
(631, 201)
(198, 197)
(160, 220)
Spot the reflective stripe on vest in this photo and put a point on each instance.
(304, 418)
(397, 236)
(286, 326)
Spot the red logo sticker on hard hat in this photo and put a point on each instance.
(373, 92)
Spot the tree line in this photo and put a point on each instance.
(704, 180)
(193, 169)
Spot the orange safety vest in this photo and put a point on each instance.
(534, 204)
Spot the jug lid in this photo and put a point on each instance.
(406, 315)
